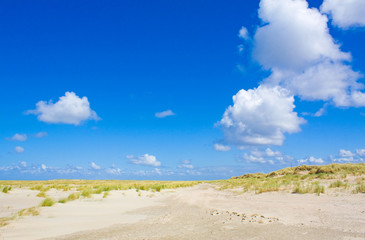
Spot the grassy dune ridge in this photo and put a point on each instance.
(347, 177)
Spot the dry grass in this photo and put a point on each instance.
(302, 179)
(97, 186)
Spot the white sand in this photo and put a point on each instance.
(200, 212)
(16, 200)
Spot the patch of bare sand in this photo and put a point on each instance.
(16, 200)
(201, 212)
(80, 215)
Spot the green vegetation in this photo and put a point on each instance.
(73, 196)
(33, 211)
(63, 200)
(105, 194)
(89, 187)
(41, 194)
(6, 189)
(48, 202)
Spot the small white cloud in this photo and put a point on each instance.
(241, 48)
(253, 159)
(18, 137)
(345, 13)
(19, 149)
(145, 159)
(70, 109)
(271, 153)
(186, 164)
(312, 160)
(164, 114)
(41, 134)
(221, 148)
(243, 33)
(23, 164)
(158, 171)
(44, 167)
(266, 156)
(94, 166)
(345, 153)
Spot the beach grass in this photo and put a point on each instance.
(303, 179)
(48, 202)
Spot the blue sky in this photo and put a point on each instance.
(158, 79)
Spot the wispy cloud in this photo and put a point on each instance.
(41, 134)
(164, 114)
(18, 137)
(186, 164)
(221, 148)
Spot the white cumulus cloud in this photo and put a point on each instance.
(221, 148)
(145, 159)
(296, 46)
(69, 109)
(260, 116)
(346, 153)
(345, 13)
(164, 114)
(19, 149)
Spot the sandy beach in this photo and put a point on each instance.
(199, 212)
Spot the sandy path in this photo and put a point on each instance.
(202, 212)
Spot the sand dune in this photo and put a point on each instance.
(199, 212)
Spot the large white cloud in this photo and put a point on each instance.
(145, 159)
(345, 13)
(69, 109)
(294, 37)
(260, 116)
(296, 46)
